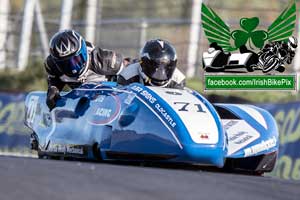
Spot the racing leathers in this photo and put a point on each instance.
(133, 74)
(102, 65)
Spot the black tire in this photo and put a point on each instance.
(252, 62)
(96, 152)
(271, 64)
(280, 69)
(34, 143)
(41, 155)
(249, 68)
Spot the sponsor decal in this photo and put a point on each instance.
(153, 101)
(264, 145)
(144, 93)
(103, 112)
(267, 51)
(173, 92)
(240, 137)
(129, 99)
(32, 108)
(204, 136)
(148, 96)
(164, 113)
(230, 124)
(239, 134)
(61, 148)
(107, 111)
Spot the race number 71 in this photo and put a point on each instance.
(186, 107)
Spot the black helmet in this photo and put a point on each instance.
(158, 61)
(69, 52)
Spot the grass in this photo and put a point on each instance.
(33, 78)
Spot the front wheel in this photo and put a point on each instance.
(34, 144)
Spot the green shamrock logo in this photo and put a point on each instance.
(216, 30)
(241, 37)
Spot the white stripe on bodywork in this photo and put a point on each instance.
(254, 114)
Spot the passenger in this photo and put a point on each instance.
(73, 61)
(156, 67)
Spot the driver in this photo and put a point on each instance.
(156, 67)
(73, 61)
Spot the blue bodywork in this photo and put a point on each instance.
(109, 122)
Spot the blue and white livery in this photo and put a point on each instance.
(108, 122)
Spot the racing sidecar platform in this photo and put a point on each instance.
(104, 121)
(216, 60)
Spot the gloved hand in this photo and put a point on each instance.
(106, 62)
(52, 97)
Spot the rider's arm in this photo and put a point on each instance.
(55, 85)
(53, 75)
(175, 85)
(129, 74)
(177, 80)
(106, 62)
(123, 81)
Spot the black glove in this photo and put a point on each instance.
(106, 62)
(52, 97)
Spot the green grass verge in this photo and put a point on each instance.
(33, 78)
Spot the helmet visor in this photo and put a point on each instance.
(160, 72)
(72, 66)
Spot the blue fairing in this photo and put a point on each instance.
(267, 132)
(194, 152)
(140, 123)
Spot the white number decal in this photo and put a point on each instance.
(32, 106)
(184, 106)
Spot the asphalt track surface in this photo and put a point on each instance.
(30, 179)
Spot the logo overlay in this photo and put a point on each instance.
(250, 49)
(248, 82)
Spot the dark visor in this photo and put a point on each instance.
(72, 66)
